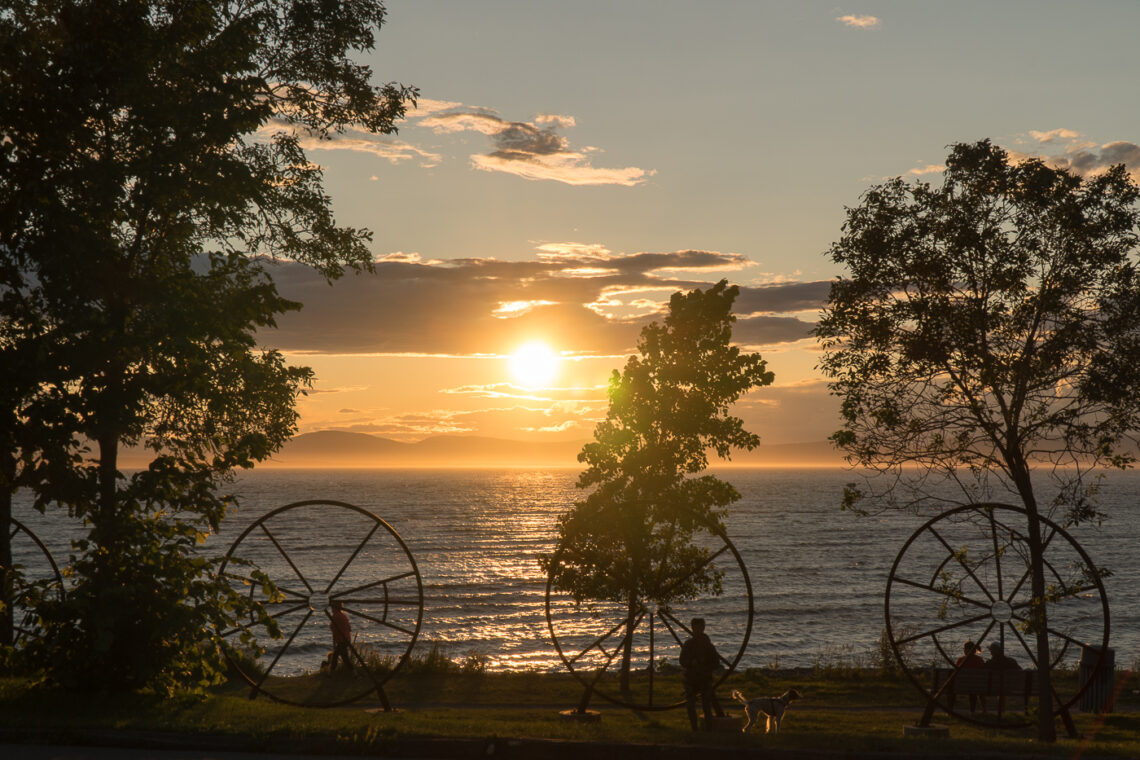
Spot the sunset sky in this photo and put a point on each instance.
(572, 164)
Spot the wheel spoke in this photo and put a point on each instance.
(352, 557)
(254, 582)
(1052, 631)
(628, 635)
(380, 621)
(967, 568)
(287, 557)
(363, 665)
(684, 628)
(943, 592)
(281, 651)
(986, 632)
(652, 661)
(701, 566)
(289, 611)
(936, 631)
(997, 554)
(1029, 570)
(671, 631)
(373, 584)
(1065, 637)
(598, 641)
(1024, 645)
(376, 600)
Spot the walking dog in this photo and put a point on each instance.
(772, 708)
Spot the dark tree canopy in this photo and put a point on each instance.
(990, 327)
(150, 167)
(630, 539)
(989, 323)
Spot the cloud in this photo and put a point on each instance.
(765, 331)
(531, 150)
(928, 169)
(1053, 135)
(508, 390)
(342, 389)
(580, 299)
(1082, 156)
(782, 297)
(557, 422)
(357, 140)
(1093, 161)
(858, 22)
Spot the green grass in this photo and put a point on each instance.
(844, 711)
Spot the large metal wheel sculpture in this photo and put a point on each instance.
(965, 575)
(316, 553)
(590, 637)
(33, 571)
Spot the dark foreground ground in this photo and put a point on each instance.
(844, 714)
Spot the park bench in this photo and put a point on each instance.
(947, 684)
(984, 682)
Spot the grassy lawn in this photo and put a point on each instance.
(853, 711)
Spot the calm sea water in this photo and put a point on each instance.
(818, 575)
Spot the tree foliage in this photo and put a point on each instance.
(630, 539)
(150, 169)
(989, 326)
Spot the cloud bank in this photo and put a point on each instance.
(1080, 155)
(582, 299)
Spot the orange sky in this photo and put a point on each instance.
(565, 171)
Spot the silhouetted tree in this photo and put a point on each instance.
(989, 327)
(150, 168)
(630, 539)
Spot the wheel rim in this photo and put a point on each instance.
(24, 624)
(362, 563)
(589, 638)
(970, 566)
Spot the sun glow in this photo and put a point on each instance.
(534, 364)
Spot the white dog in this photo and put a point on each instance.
(772, 708)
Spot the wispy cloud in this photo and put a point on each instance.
(928, 169)
(582, 299)
(558, 422)
(564, 396)
(858, 22)
(531, 150)
(1053, 135)
(359, 141)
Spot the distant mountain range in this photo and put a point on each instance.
(334, 448)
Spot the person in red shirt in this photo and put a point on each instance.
(342, 636)
(971, 658)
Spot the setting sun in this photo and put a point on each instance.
(534, 364)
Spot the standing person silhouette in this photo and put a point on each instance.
(970, 659)
(341, 634)
(698, 661)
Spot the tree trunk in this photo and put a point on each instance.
(1046, 729)
(627, 644)
(7, 575)
(106, 510)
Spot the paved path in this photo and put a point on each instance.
(47, 752)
